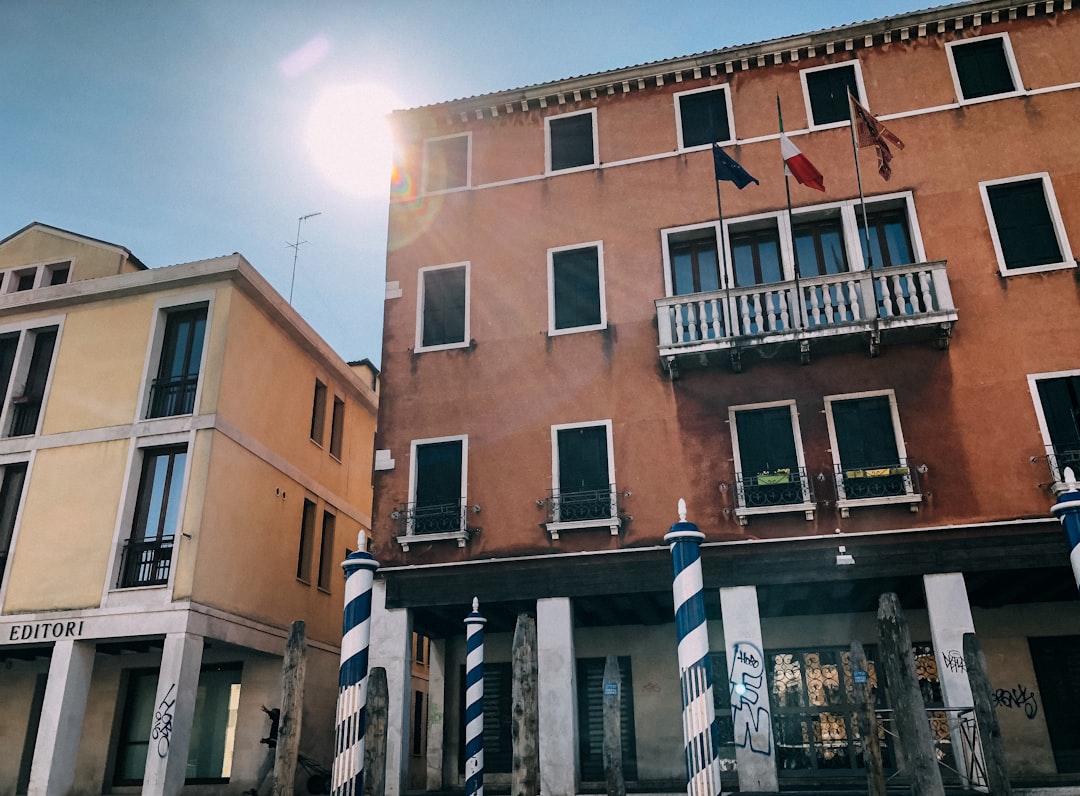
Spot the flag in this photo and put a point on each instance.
(799, 166)
(870, 132)
(727, 168)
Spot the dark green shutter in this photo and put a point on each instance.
(1060, 400)
(576, 278)
(864, 432)
(444, 306)
(583, 459)
(828, 89)
(766, 440)
(438, 473)
(982, 68)
(571, 141)
(704, 118)
(1024, 226)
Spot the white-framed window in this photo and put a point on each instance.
(27, 359)
(983, 68)
(1056, 397)
(770, 475)
(583, 493)
(438, 483)
(1025, 224)
(868, 450)
(825, 90)
(576, 300)
(447, 163)
(177, 357)
(703, 117)
(17, 280)
(442, 307)
(12, 481)
(572, 143)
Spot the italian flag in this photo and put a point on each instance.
(799, 166)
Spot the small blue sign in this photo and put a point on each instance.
(860, 677)
(611, 689)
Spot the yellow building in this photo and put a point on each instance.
(185, 463)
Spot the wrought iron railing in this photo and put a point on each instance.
(781, 487)
(24, 416)
(173, 396)
(146, 562)
(583, 505)
(957, 746)
(1058, 460)
(414, 519)
(888, 479)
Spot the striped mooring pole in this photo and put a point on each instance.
(474, 701)
(347, 777)
(699, 716)
(1067, 510)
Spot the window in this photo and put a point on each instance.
(24, 280)
(173, 390)
(1057, 403)
(443, 307)
(147, 556)
(704, 117)
(307, 542)
(11, 489)
(590, 699)
(755, 254)
(318, 413)
(890, 239)
(819, 245)
(694, 263)
(26, 367)
(18, 280)
(58, 273)
(983, 67)
(1025, 224)
(571, 140)
(327, 560)
(438, 487)
(583, 488)
(826, 89)
(446, 163)
(868, 450)
(575, 284)
(768, 454)
(337, 427)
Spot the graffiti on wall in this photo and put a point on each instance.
(753, 725)
(954, 661)
(1018, 698)
(163, 719)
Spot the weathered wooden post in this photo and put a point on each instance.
(613, 770)
(695, 670)
(378, 705)
(997, 777)
(347, 778)
(525, 777)
(912, 725)
(867, 718)
(1067, 510)
(293, 668)
(474, 701)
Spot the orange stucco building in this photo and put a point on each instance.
(854, 396)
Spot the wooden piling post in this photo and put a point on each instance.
(525, 776)
(997, 777)
(912, 725)
(867, 718)
(378, 704)
(613, 763)
(293, 668)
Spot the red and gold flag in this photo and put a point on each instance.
(870, 132)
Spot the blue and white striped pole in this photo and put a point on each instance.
(699, 715)
(1067, 510)
(348, 773)
(474, 701)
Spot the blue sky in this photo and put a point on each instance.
(188, 129)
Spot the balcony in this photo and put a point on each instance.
(146, 562)
(787, 319)
(891, 483)
(587, 508)
(173, 396)
(780, 491)
(432, 523)
(1059, 461)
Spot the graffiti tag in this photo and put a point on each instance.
(954, 661)
(1019, 698)
(163, 719)
(753, 725)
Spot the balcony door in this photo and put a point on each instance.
(584, 474)
(438, 487)
(768, 461)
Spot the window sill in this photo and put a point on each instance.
(705, 147)
(744, 514)
(1037, 269)
(424, 349)
(596, 327)
(571, 169)
(991, 97)
(611, 523)
(461, 537)
(912, 501)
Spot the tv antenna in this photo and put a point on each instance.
(296, 250)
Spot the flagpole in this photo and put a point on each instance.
(858, 177)
(791, 227)
(728, 314)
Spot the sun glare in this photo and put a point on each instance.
(349, 139)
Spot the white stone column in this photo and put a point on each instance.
(52, 772)
(755, 750)
(436, 712)
(556, 684)
(391, 648)
(174, 710)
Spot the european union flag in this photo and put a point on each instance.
(727, 168)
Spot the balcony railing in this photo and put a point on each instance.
(890, 482)
(24, 416)
(890, 304)
(583, 508)
(785, 490)
(1058, 460)
(173, 396)
(146, 562)
(433, 522)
